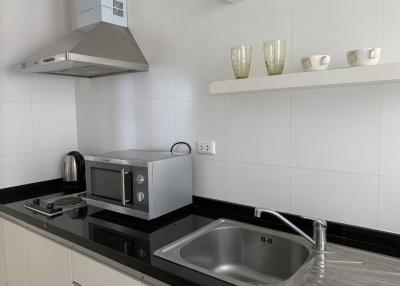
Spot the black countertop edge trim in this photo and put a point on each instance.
(343, 234)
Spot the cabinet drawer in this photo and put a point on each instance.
(49, 262)
(16, 254)
(88, 272)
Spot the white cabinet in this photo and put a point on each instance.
(32, 260)
(29, 259)
(16, 254)
(2, 256)
(49, 262)
(88, 272)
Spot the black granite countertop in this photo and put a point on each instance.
(132, 242)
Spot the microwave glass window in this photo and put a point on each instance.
(108, 184)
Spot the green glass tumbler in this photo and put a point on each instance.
(241, 60)
(275, 56)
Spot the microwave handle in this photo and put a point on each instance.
(123, 193)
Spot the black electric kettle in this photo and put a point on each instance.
(74, 169)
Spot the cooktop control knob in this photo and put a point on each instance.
(140, 196)
(139, 179)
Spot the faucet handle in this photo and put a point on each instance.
(321, 222)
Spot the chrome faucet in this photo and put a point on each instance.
(319, 228)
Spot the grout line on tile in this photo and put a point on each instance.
(32, 116)
(290, 147)
(381, 96)
(292, 62)
(303, 168)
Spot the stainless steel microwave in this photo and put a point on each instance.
(144, 184)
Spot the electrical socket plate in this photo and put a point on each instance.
(206, 147)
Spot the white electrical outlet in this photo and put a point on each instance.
(206, 147)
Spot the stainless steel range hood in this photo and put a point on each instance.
(97, 48)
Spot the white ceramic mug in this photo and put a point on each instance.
(316, 62)
(364, 57)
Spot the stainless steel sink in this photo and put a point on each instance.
(240, 254)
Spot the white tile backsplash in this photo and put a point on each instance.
(48, 164)
(258, 128)
(270, 186)
(244, 10)
(337, 128)
(391, 41)
(155, 123)
(301, 3)
(13, 25)
(198, 57)
(14, 86)
(201, 118)
(54, 126)
(17, 169)
(52, 89)
(390, 131)
(209, 178)
(389, 198)
(193, 15)
(341, 197)
(95, 125)
(47, 21)
(15, 128)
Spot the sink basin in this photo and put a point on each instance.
(239, 253)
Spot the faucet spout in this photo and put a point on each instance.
(319, 228)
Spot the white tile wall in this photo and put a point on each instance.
(16, 128)
(209, 179)
(337, 128)
(93, 119)
(336, 26)
(154, 122)
(259, 185)
(37, 113)
(389, 210)
(391, 44)
(287, 150)
(390, 131)
(47, 21)
(200, 118)
(258, 128)
(14, 86)
(17, 169)
(54, 126)
(13, 25)
(336, 196)
(52, 89)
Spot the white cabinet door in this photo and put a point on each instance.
(88, 272)
(2, 256)
(49, 262)
(16, 254)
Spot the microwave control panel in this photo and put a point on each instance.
(141, 190)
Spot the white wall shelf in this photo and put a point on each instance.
(344, 76)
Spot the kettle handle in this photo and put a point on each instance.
(81, 164)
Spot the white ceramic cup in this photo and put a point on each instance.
(316, 62)
(364, 57)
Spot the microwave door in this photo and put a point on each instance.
(114, 185)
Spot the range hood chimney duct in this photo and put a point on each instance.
(101, 45)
